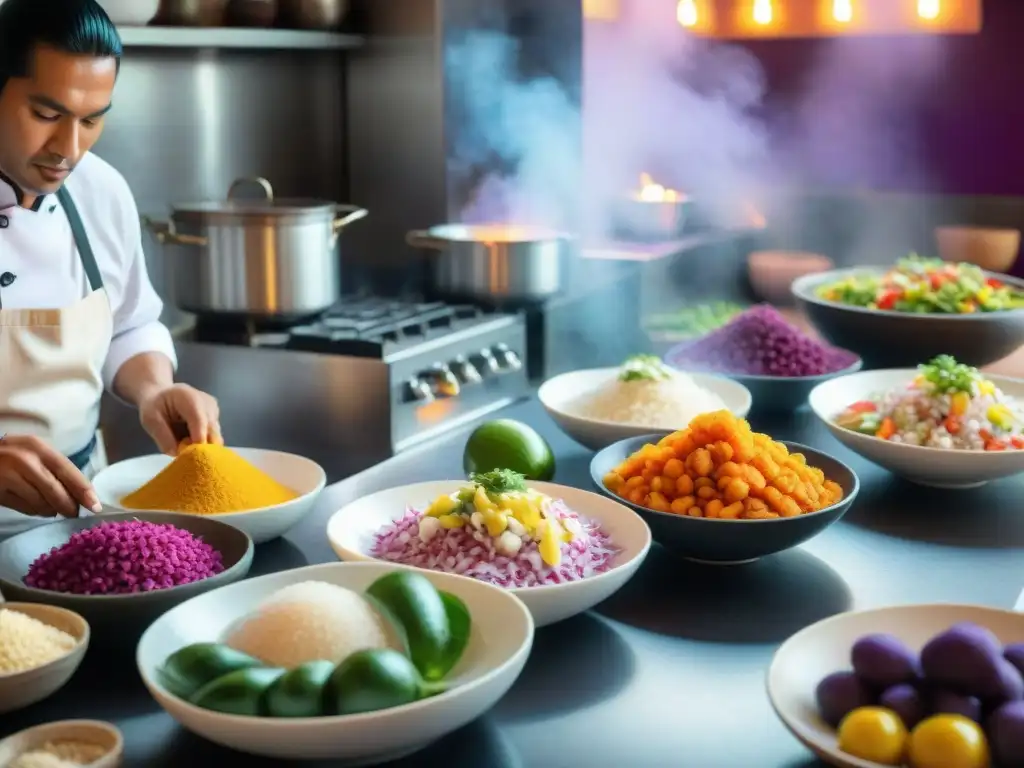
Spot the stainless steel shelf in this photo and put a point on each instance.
(236, 37)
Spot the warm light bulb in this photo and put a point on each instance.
(686, 13)
(842, 11)
(928, 9)
(763, 11)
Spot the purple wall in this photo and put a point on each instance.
(916, 114)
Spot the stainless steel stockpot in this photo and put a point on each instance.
(494, 261)
(264, 258)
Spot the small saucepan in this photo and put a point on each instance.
(488, 262)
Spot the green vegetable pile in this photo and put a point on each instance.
(946, 375)
(691, 322)
(433, 627)
(645, 368)
(926, 286)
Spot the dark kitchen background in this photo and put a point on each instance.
(527, 112)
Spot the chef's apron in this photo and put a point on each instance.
(51, 363)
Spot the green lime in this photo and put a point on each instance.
(508, 444)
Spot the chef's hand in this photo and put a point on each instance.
(179, 412)
(37, 480)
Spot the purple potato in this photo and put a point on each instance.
(1014, 653)
(905, 701)
(883, 661)
(945, 702)
(839, 694)
(1005, 684)
(1006, 734)
(961, 658)
(983, 635)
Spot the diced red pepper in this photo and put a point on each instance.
(888, 299)
(1017, 441)
(863, 406)
(993, 283)
(937, 279)
(986, 435)
(952, 424)
(995, 445)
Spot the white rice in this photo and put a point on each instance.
(919, 418)
(668, 404)
(309, 621)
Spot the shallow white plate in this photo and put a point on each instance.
(499, 644)
(352, 529)
(560, 397)
(302, 475)
(937, 467)
(822, 648)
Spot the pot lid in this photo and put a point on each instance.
(266, 205)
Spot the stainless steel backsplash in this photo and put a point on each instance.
(186, 123)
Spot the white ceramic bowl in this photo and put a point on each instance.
(351, 531)
(936, 467)
(499, 644)
(302, 475)
(822, 648)
(96, 732)
(131, 13)
(21, 689)
(558, 395)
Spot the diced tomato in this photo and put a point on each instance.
(952, 424)
(993, 283)
(888, 299)
(863, 406)
(937, 279)
(995, 445)
(985, 435)
(1017, 441)
(887, 429)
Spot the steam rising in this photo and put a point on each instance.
(689, 112)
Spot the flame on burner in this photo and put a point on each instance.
(504, 233)
(652, 192)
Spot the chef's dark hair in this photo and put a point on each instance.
(73, 26)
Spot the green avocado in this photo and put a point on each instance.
(242, 692)
(299, 692)
(371, 680)
(187, 670)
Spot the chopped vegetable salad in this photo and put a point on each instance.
(926, 286)
(947, 405)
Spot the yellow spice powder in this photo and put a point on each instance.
(207, 479)
(26, 643)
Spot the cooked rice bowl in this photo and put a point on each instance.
(499, 531)
(648, 394)
(947, 405)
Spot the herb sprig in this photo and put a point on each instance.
(645, 368)
(499, 481)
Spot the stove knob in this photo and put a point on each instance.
(465, 371)
(443, 381)
(507, 359)
(418, 390)
(486, 362)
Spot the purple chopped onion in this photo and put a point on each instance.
(120, 558)
(760, 342)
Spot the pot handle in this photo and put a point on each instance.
(421, 238)
(259, 181)
(345, 215)
(164, 233)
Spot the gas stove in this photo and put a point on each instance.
(364, 380)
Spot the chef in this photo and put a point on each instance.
(77, 310)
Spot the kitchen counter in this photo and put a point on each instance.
(668, 672)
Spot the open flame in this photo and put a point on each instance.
(652, 192)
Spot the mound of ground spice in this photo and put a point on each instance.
(760, 342)
(123, 557)
(207, 479)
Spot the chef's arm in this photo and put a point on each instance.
(143, 376)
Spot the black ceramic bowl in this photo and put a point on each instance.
(730, 542)
(887, 339)
(120, 619)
